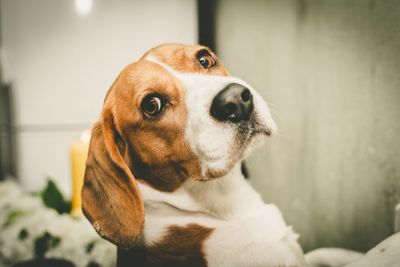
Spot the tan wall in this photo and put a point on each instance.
(331, 71)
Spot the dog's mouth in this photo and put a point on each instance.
(249, 130)
(248, 136)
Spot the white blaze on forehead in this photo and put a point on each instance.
(210, 140)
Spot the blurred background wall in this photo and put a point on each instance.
(61, 63)
(330, 70)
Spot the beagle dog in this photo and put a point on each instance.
(163, 171)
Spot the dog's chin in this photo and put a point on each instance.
(214, 169)
(210, 173)
(241, 149)
(256, 141)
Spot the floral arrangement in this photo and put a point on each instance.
(38, 226)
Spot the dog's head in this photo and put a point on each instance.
(175, 114)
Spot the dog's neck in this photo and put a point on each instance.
(223, 197)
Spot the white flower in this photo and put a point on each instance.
(23, 218)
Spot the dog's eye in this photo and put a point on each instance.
(152, 105)
(207, 61)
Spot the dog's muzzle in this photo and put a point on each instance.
(234, 103)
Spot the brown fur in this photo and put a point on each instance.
(109, 189)
(180, 247)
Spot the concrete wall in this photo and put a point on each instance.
(61, 64)
(331, 71)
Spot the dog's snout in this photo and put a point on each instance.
(234, 103)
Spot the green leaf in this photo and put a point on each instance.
(14, 216)
(90, 246)
(23, 234)
(44, 243)
(53, 198)
(93, 264)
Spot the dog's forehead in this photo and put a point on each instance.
(183, 58)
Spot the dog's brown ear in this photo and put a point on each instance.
(110, 196)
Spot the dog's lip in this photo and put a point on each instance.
(267, 131)
(263, 131)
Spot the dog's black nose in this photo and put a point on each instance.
(234, 103)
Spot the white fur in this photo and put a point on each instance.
(246, 232)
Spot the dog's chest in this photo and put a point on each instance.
(199, 240)
(210, 230)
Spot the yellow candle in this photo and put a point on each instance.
(78, 156)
